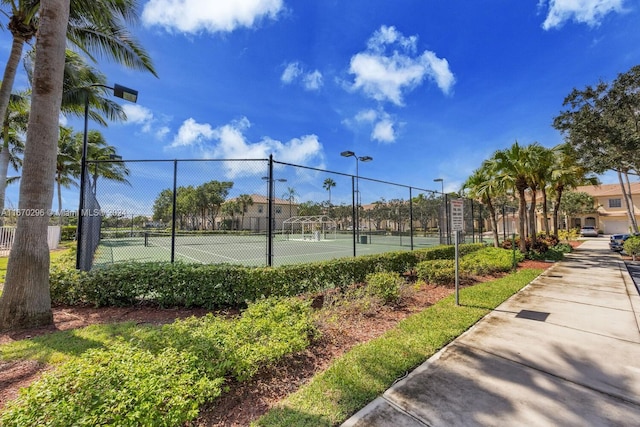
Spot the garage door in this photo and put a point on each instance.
(614, 227)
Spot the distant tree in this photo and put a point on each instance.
(163, 206)
(310, 209)
(603, 126)
(245, 200)
(483, 186)
(512, 168)
(209, 198)
(567, 173)
(290, 195)
(577, 203)
(328, 184)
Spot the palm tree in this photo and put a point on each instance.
(13, 130)
(328, 184)
(538, 161)
(513, 170)
(245, 201)
(567, 173)
(67, 162)
(95, 27)
(290, 195)
(83, 83)
(483, 187)
(99, 150)
(26, 300)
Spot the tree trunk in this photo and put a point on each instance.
(6, 86)
(625, 196)
(556, 209)
(26, 301)
(494, 224)
(4, 167)
(532, 216)
(545, 212)
(634, 223)
(522, 213)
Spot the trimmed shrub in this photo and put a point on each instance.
(385, 286)
(438, 272)
(225, 285)
(632, 246)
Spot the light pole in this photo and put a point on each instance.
(131, 95)
(445, 229)
(357, 191)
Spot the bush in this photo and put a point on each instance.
(224, 285)
(68, 232)
(438, 272)
(632, 246)
(385, 286)
(121, 386)
(489, 261)
(160, 377)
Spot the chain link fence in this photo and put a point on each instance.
(261, 212)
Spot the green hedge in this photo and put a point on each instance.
(482, 262)
(225, 285)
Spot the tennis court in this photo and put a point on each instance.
(249, 249)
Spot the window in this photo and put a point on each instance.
(278, 209)
(260, 209)
(615, 203)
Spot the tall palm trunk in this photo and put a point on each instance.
(556, 208)
(522, 214)
(4, 168)
(545, 213)
(26, 300)
(532, 214)
(9, 77)
(494, 222)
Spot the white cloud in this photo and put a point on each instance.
(384, 132)
(313, 81)
(140, 115)
(192, 133)
(291, 72)
(193, 16)
(366, 116)
(383, 126)
(389, 68)
(295, 72)
(229, 142)
(590, 12)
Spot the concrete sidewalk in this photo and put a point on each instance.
(564, 351)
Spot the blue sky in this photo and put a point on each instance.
(429, 89)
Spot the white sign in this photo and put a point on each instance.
(457, 215)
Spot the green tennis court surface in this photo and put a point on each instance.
(250, 250)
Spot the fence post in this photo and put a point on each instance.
(270, 213)
(411, 216)
(353, 212)
(174, 211)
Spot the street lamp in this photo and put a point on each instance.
(131, 95)
(361, 159)
(446, 210)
